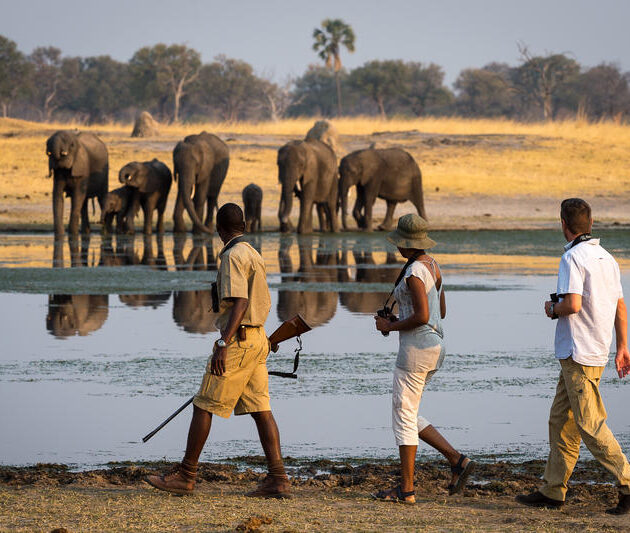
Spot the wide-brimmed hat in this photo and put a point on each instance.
(411, 233)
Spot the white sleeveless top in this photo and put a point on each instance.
(421, 349)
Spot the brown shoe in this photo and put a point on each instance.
(175, 483)
(538, 499)
(272, 487)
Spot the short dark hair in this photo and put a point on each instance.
(576, 214)
(230, 218)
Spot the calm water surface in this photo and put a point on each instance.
(102, 340)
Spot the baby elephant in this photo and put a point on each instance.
(152, 180)
(252, 200)
(119, 204)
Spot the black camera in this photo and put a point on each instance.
(555, 299)
(385, 312)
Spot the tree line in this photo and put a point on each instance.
(173, 83)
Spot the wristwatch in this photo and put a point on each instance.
(221, 343)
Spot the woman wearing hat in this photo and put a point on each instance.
(422, 307)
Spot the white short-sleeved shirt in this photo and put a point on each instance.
(421, 349)
(590, 271)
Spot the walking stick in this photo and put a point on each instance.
(149, 435)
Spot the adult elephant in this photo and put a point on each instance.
(390, 173)
(200, 162)
(308, 169)
(79, 164)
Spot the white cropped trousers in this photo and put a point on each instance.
(406, 396)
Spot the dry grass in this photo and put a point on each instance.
(225, 509)
(490, 158)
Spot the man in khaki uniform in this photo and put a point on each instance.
(236, 376)
(590, 303)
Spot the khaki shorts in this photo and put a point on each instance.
(244, 386)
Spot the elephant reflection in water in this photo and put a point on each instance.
(367, 302)
(317, 308)
(126, 256)
(78, 314)
(192, 310)
(80, 253)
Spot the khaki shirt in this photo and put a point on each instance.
(242, 274)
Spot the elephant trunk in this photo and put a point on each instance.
(286, 204)
(343, 202)
(185, 184)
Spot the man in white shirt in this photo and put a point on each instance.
(590, 303)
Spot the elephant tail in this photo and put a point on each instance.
(93, 207)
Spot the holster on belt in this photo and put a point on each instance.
(241, 333)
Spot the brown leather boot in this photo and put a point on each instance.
(180, 482)
(272, 487)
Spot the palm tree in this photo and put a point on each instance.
(329, 39)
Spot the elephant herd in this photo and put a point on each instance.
(82, 314)
(307, 170)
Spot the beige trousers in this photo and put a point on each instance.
(578, 413)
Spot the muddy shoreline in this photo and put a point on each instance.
(327, 496)
(589, 480)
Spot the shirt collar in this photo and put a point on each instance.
(227, 244)
(567, 246)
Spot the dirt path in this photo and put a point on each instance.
(49, 496)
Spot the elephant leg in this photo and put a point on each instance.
(106, 229)
(331, 208)
(370, 198)
(258, 220)
(85, 249)
(85, 220)
(77, 201)
(359, 205)
(129, 214)
(121, 222)
(389, 216)
(57, 195)
(179, 226)
(75, 250)
(161, 208)
(199, 200)
(212, 205)
(58, 252)
(321, 217)
(147, 209)
(305, 224)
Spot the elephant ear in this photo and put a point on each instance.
(81, 164)
(202, 160)
(308, 160)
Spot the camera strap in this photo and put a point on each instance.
(296, 363)
(401, 275)
(580, 238)
(214, 289)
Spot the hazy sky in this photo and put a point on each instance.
(275, 36)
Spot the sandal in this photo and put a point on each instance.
(398, 497)
(463, 472)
